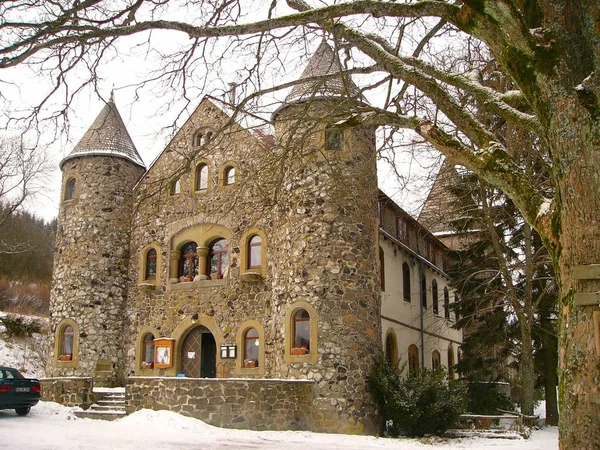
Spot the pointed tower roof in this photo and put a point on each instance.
(107, 136)
(324, 62)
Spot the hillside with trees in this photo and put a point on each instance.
(26, 263)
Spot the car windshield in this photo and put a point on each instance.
(10, 373)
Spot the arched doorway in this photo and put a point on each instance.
(199, 354)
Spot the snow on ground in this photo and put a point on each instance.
(50, 426)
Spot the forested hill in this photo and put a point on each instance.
(26, 255)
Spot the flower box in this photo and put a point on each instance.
(65, 358)
(251, 364)
(299, 351)
(147, 365)
(184, 279)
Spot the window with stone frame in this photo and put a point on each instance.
(148, 351)
(229, 176)
(401, 229)
(188, 262)
(451, 362)
(406, 282)
(301, 332)
(67, 337)
(175, 187)
(436, 360)
(446, 303)
(382, 269)
(218, 259)
(151, 258)
(201, 177)
(251, 348)
(435, 297)
(202, 137)
(254, 252)
(333, 138)
(423, 291)
(413, 358)
(70, 189)
(391, 349)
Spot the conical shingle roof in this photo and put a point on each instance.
(324, 62)
(107, 136)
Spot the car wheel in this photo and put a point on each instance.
(22, 411)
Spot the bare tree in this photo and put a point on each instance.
(550, 49)
(23, 172)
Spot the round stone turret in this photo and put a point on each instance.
(326, 248)
(89, 287)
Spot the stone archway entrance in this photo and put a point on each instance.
(199, 354)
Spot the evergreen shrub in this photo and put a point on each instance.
(17, 326)
(424, 402)
(484, 399)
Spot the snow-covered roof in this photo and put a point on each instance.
(107, 136)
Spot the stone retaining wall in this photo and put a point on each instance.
(228, 403)
(68, 391)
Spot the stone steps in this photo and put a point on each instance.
(109, 406)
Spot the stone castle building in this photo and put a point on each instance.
(245, 278)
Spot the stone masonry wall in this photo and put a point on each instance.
(243, 404)
(68, 391)
(90, 279)
(221, 305)
(330, 203)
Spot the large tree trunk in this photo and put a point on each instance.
(569, 110)
(527, 370)
(580, 242)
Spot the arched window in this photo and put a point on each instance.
(454, 306)
(434, 296)
(251, 348)
(450, 362)
(188, 264)
(391, 350)
(254, 252)
(202, 137)
(66, 343)
(70, 189)
(148, 351)
(201, 177)
(382, 269)
(423, 291)
(301, 332)
(219, 259)
(151, 264)
(406, 281)
(175, 187)
(413, 358)
(229, 174)
(435, 360)
(333, 139)
(446, 303)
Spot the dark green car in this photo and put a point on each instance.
(17, 392)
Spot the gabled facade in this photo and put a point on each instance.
(243, 256)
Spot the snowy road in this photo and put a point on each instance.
(52, 427)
